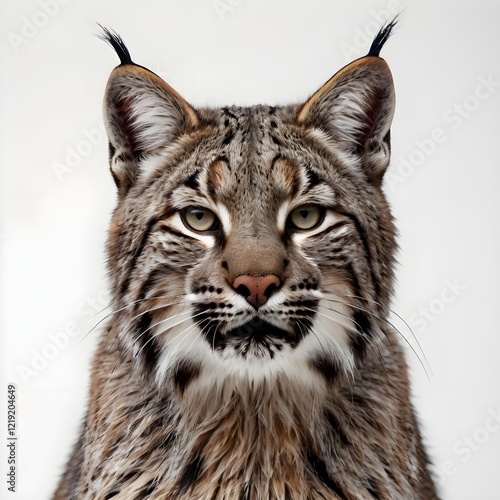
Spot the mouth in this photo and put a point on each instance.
(256, 336)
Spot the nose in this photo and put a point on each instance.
(256, 289)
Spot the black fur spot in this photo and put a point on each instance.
(276, 140)
(148, 348)
(313, 178)
(129, 477)
(363, 326)
(148, 491)
(191, 474)
(184, 374)
(319, 468)
(325, 367)
(228, 113)
(215, 496)
(244, 495)
(337, 429)
(229, 137)
(372, 489)
(193, 181)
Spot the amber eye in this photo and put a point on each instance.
(199, 219)
(306, 217)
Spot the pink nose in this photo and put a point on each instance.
(256, 289)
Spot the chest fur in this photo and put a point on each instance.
(277, 440)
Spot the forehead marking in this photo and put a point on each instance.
(217, 172)
(287, 176)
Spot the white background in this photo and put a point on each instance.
(443, 186)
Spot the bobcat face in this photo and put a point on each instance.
(250, 241)
(255, 216)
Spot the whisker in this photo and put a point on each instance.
(410, 329)
(122, 309)
(199, 333)
(122, 354)
(303, 329)
(214, 335)
(124, 327)
(196, 325)
(143, 299)
(392, 311)
(169, 341)
(135, 356)
(426, 367)
(358, 331)
(164, 321)
(350, 328)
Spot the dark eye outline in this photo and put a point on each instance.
(213, 228)
(293, 227)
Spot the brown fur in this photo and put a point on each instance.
(195, 393)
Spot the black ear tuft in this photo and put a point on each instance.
(382, 37)
(116, 41)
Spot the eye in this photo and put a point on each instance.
(306, 217)
(199, 219)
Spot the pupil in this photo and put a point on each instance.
(304, 214)
(198, 215)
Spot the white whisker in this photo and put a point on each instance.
(426, 367)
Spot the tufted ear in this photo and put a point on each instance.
(142, 115)
(355, 108)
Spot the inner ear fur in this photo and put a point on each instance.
(355, 109)
(143, 114)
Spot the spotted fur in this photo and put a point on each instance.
(201, 392)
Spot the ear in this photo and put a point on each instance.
(142, 115)
(355, 108)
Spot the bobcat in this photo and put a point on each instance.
(249, 353)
